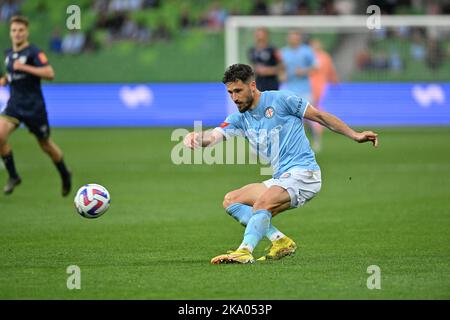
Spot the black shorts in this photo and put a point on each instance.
(36, 121)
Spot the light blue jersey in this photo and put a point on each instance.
(301, 57)
(275, 130)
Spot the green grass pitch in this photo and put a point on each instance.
(388, 207)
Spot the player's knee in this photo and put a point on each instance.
(229, 199)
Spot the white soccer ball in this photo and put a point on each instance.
(92, 200)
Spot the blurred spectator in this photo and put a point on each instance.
(386, 6)
(380, 60)
(55, 43)
(162, 33)
(363, 60)
(395, 61)
(124, 5)
(290, 7)
(144, 34)
(113, 23)
(129, 29)
(100, 5)
(342, 7)
(73, 42)
(90, 44)
(260, 8)
(214, 17)
(435, 54)
(432, 7)
(417, 47)
(9, 8)
(185, 20)
(327, 7)
(445, 9)
(151, 4)
(303, 9)
(380, 34)
(278, 8)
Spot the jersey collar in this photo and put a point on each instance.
(257, 112)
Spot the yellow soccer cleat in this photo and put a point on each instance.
(242, 256)
(279, 249)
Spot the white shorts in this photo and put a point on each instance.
(301, 184)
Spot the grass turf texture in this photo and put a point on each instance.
(387, 207)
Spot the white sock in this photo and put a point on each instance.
(246, 246)
(277, 235)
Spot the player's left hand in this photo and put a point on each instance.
(18, 66)
(367, 136)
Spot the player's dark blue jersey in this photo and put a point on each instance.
(25, 89)
(267, 57)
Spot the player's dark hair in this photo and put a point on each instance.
(19, 19)
(239, 71)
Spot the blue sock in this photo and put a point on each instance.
(256, 229)
(242, 213)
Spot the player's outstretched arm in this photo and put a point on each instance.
(45, 72)
(202, 139)
(337, 125)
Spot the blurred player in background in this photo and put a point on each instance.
(323, 74)
(265, 60)
(298, 61)
(296, 178)
(25, 66)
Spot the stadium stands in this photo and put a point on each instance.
(182, 41)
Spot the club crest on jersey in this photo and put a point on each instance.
(269, 112)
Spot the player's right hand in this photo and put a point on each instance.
(192, 140)
(3, 82)
(367, 136)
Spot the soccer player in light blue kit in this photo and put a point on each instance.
(299, 60)
(272, 123)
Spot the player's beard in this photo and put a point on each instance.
(245, 105)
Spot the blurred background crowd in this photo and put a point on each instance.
(141, 32)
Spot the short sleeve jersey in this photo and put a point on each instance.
(25, 88)
(274, 129)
